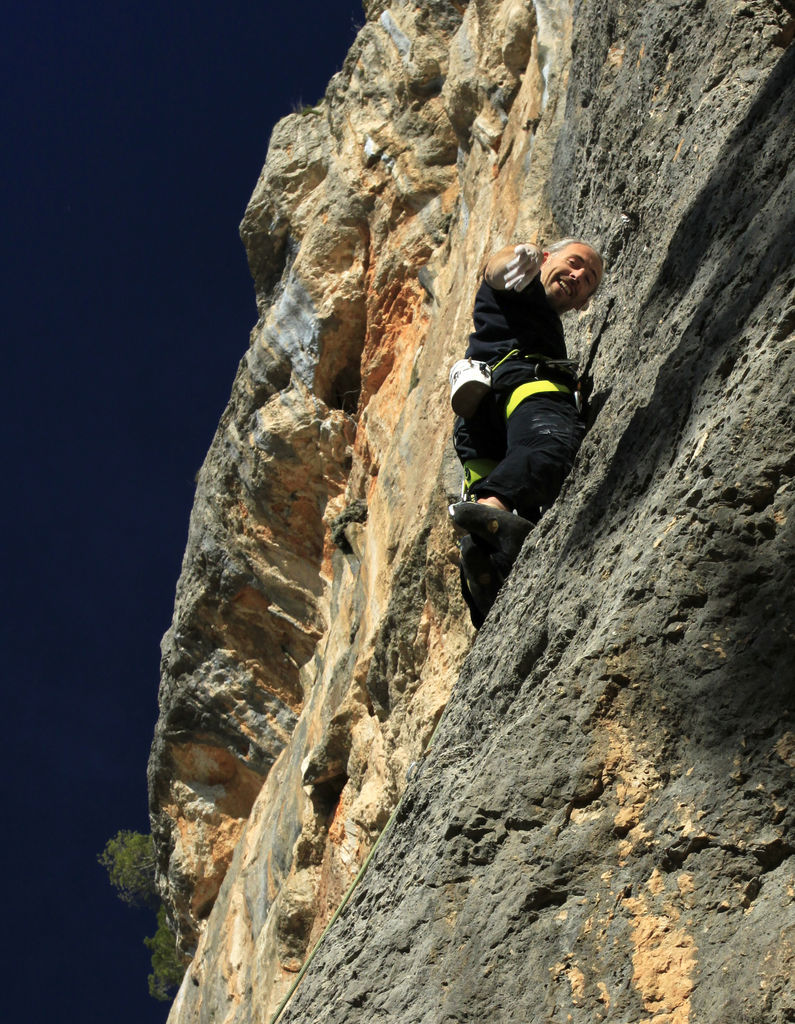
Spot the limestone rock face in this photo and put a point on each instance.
(603, 826)
(290, 627)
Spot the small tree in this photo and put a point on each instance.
(167, 968)
(129, 859)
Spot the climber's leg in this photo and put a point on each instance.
(543, 435)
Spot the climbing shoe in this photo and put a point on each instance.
(483, 579)
(503, 531)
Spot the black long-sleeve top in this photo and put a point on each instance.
(507, 320)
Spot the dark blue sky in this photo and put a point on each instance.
(133, 136)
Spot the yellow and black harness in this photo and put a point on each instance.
(553, 376)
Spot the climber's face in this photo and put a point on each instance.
(571, 276)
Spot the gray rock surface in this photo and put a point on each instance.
(604, 826)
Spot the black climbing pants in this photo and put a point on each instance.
(522, 458)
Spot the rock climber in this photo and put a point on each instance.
(520, 424)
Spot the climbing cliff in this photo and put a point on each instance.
(603, 826)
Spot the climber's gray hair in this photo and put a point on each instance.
(557, 246)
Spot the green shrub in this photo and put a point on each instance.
(129, 859)
(167, 968)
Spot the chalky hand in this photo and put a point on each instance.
(522, 268)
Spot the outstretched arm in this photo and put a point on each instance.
(514, 267)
